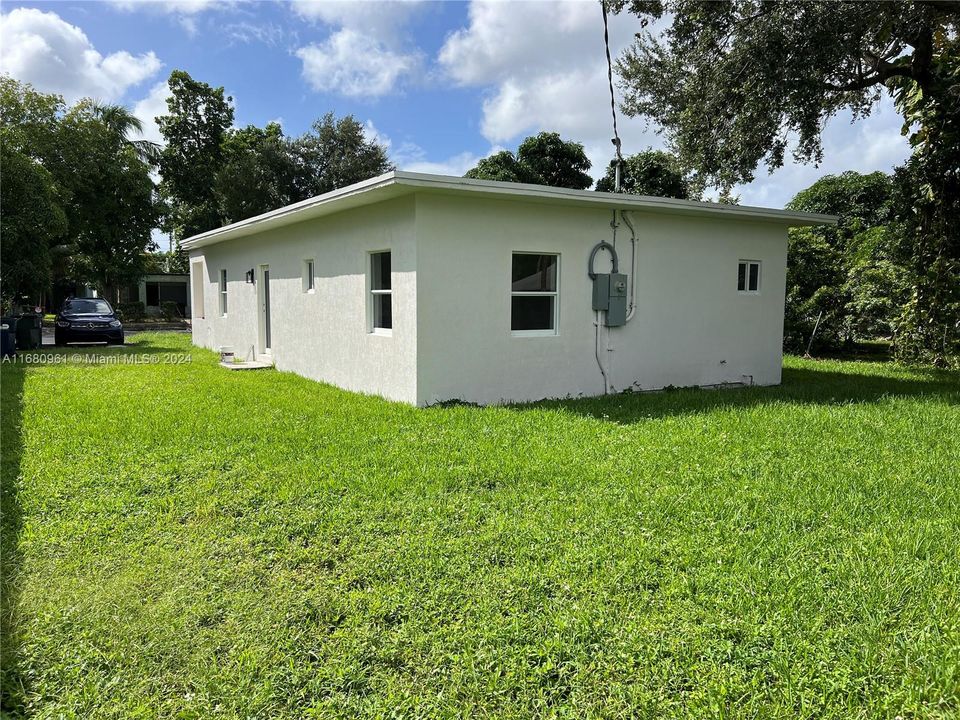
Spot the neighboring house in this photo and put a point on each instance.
(155, 289)
(426, 288)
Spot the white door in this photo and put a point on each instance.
(263, 296)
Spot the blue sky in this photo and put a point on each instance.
(442, 83)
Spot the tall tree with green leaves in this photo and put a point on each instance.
(194, 129)
(652, 172)
(559, 162)
(541, 159)
(739, 83)
(112, 207)
(258, 174)
(32, 220)
(334, 153)
(836, 275)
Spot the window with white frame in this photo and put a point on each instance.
(748, 276)
(381, 313)
(223, 292)
(534, 293)
(309, 283)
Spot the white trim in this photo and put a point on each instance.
(398, 183)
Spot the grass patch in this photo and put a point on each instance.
(182, 541)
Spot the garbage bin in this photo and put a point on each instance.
(8, 337)
(29, 331)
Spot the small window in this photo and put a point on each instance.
(534, 294)
(748, 276)
(380, 291)
(223, 292)
(309, 283)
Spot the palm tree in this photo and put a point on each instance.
(122, 123)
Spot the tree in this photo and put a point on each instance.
(259, 173)
(542, 159)
(653, 172)
(739, 83)
(860, 202)
(194, 129)
(333, 154)
(504, 167)
(838, 274)
(112, 207)
(559, 163)
(32, 220)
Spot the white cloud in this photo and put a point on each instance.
(543, 67)
(42, 49)
(354, 64)
(185, 12)
(149, 107)
(412, 157)
(367, 52)
(177, 7)
(455, 165)
(384, 21)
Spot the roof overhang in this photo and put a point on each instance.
(399, 183)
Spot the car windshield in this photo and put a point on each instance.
(87, 307)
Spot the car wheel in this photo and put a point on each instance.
(59, 340)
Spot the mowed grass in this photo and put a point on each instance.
(180, 541)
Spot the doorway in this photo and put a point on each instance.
(263, 295)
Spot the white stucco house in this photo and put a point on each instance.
(426, 288)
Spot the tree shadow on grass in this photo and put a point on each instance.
(12, 691)
(800, 385)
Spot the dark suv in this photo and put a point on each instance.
(87, 320)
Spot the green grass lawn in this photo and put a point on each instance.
(181, 541)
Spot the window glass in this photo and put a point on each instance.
(742, 276)
(223, 292)
(533, 290)
(381, 271)
(308, 275)
(754, 277)
(381, 291)
(382, 312)
(534, 273)
(532, 312)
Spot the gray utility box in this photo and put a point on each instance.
(610, 295)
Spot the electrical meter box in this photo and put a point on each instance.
(610, 295)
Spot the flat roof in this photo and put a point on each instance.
(398, 183)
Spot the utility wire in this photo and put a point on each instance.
(613, 102)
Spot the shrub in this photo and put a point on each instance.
(170, 310)
(132, 311)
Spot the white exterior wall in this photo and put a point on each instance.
(323, 335)
(692, 327)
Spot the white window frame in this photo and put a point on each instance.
(553, 332)
(222, 291)
(371, 293)
(746, 277)
(309, 276)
